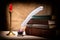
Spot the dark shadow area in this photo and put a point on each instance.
(55, 11)
(3, 17)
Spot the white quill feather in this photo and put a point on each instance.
(35, 11)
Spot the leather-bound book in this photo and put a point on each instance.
(39, 20)
(37, 31)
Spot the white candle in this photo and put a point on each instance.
(35, 11)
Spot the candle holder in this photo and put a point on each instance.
(10, 32)
(10, 11)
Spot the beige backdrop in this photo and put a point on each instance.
(20, 12)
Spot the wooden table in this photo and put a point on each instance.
(3, 34)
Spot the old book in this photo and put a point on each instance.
(38, 26)
(38, 21)
(47, 17)
(37, 31)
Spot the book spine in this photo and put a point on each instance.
(38, 26)
(36, 21)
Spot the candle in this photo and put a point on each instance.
(10, 7)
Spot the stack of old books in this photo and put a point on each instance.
(38, 26)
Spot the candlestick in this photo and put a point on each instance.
(10, 11)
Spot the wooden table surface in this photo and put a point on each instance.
(4, 35)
